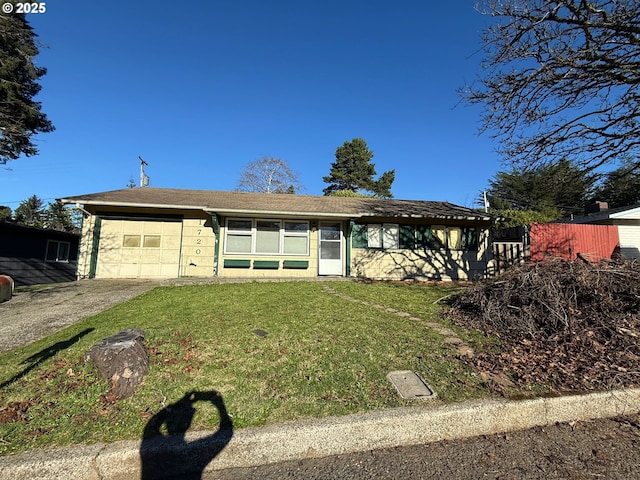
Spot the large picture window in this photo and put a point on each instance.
(267, 237)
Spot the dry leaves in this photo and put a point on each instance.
(572, 326)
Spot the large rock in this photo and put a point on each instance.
(122, 360)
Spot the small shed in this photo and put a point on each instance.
(32, 255)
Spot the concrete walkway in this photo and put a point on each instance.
(317, 438)
(450, 336)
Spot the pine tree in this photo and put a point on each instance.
(5, 213)
(58, 217)
(30, 212)
(353, 171)
(563, 187)
(20, 115)
(621, 187)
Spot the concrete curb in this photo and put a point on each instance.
(331, 436)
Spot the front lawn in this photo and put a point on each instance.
(273, 351)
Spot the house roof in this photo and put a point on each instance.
(603, 215)
(14, 228)
(238, 203)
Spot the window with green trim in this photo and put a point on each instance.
(415, 237)
(470, 238)
(359, 236)
(266, 236)
(376, 236)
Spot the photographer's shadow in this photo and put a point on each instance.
(165, 451)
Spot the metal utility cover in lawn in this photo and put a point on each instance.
(410, 385)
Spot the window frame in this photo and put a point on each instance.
(238, 233)
(417, 237)
(387, 234)
(127, 238)
(149, 241)
(57, 259)
(256, 234)
(282, 235)
(294, 234)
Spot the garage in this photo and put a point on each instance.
(139, 248)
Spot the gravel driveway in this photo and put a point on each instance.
(33, 314)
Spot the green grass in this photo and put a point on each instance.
(322, 355)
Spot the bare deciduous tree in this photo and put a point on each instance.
(561, 79)
(269, 175)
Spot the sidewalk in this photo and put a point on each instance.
(330, 436)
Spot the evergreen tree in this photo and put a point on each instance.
(5, 213)
(563, 187)
(58, 217)
(30, 212)
(20, 115)
(621, 187)
(353, 171)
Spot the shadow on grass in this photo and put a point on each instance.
(165, 451)
(46, 353)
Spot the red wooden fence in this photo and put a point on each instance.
(566, 241)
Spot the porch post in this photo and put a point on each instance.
(348, 259)
(216, 241)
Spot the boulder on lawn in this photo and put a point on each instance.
(122, 360)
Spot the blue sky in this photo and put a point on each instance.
(200, 89)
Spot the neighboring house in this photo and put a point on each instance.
(34, 256)
(627, 219)
(167, 233)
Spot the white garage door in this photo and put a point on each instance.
(139, 249)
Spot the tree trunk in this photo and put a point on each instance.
(122, 360)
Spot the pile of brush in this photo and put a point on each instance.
(571, 326)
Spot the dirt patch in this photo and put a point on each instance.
(35, 313)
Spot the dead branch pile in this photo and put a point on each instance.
(572, 326)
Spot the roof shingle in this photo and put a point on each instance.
(260, 203)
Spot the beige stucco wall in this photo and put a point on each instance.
(198, 245)
(84, 253)
(399, 264)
